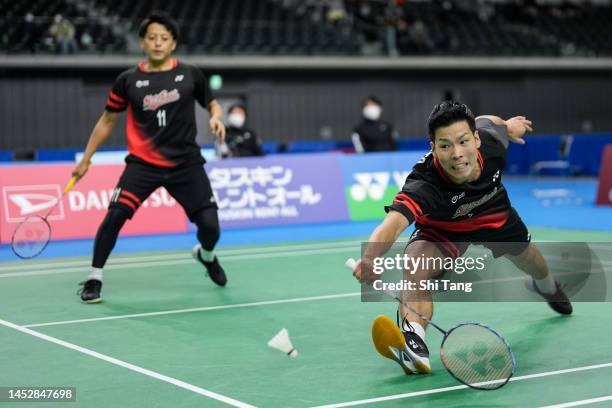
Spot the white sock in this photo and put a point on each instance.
(414, 327)
(546, 285)
(207, 256)
(96, 273)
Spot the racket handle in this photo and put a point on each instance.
(70, 184)
(351, 264)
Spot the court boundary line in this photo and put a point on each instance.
(129, 366)
(183, 254)
(580, 402)
(197, 309)
(457, 387)
(185, 261)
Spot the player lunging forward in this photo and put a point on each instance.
(455, 196)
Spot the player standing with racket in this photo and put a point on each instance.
(159, 96)
(455, 197)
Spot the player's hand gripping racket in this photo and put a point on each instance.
(473, 353)
(32, 236)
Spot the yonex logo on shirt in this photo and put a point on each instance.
(140, 84)
(179, 78)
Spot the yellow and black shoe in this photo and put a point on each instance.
(405, 348)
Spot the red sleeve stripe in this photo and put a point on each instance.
(408, 202)
(116, 101)
(114, 105)
(127, 202)
(131, 197)
(116, 97)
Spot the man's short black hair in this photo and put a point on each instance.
(449, 112)
(374, 99)
(162, 18)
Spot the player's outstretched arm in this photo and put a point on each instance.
(381, 240)
(216, 120)
(517, 126)
(103, 129)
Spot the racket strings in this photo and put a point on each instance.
(477, 356)
(31, 237)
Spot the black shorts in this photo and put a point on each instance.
(189, 185)
(512, 238)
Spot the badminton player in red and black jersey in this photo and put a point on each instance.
(455, 196)
(159, 97)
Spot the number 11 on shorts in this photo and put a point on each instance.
(161, 118)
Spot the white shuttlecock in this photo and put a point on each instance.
(282, 342)
(351, 264)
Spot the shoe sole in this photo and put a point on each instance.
(92, 301)
(390, 342)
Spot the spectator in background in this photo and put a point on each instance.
(372, 134)
(26, 34)
(240, 141)
(63, 32)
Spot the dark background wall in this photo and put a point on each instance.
(54, 109)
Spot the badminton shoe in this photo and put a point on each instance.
(90, 291)
(558, 301)
(214, 268)
(405, 348)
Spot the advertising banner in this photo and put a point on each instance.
(278, 190)
(604, 192)
(372, 180)
(28, 190)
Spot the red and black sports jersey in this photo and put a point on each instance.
(429, 198)
(161, 126)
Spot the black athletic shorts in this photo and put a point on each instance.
(512, 238)
(189, 185)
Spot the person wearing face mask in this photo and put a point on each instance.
(240, 141)
(373, 134)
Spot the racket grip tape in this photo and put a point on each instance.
(70, 184)
(351, 264)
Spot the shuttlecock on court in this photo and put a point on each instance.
(282, 342)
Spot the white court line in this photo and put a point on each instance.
(178, 255)
(198, 309)
(458, 387)
(135, 368)
(579, 403)
(180, 262)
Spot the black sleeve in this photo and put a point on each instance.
(202, 91)
(412, 201)
(498, 133)
(117, 98)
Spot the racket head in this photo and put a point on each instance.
(477, 356)
(31, 237)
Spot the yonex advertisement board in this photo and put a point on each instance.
(371, 181)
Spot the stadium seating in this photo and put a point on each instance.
(323, 27)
